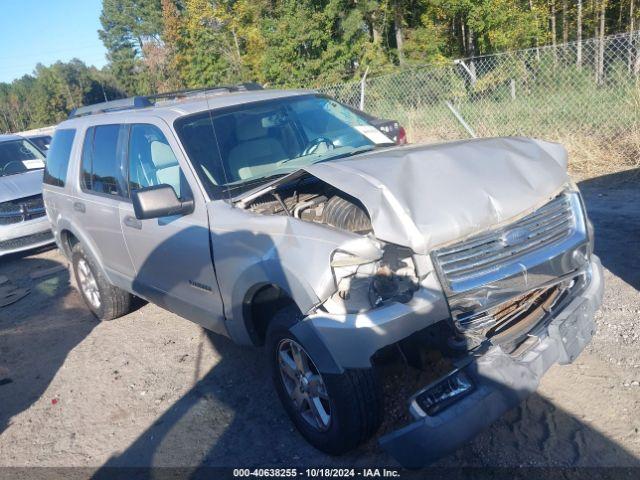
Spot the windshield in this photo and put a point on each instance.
(42, 142)
(236, 147)
(19, 156)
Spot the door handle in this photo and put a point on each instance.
(79, 207)
(132, 222)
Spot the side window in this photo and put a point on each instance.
(55, 172)
(100, 160)
(152, 161)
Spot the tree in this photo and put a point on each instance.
(172, 35)
(398, 19)
(579, 35)
(46, 97)
(127, 26)
(565, 23)
(159, 45)
(205, 46)
(600, 61)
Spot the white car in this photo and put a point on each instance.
(23, 221)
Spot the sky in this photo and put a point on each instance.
(45, 31)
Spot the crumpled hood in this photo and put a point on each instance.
(425, 196)
(20, 185)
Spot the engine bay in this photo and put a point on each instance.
(361, 287)
(312, 200)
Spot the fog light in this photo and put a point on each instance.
(444, 393)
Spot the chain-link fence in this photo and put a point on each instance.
(580, 93)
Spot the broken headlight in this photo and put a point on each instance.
(363, 282)
(572, 187)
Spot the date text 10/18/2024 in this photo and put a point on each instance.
(316, 472)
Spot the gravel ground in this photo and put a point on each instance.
(154, 389)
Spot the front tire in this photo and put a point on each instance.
(105, 301)
(334, 412)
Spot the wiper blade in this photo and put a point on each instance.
(351, 153)
(257, 181)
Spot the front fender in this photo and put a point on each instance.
(252, 279)
(251, 250)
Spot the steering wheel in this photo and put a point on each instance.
(313, 145)
(6, 166)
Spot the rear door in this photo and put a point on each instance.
(171, 255)
(102, 189)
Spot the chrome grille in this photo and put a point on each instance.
(21, 210)
(487, 253)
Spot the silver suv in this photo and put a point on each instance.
(283, 219)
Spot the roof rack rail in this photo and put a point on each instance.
(192, 92)
(150, 100)
(113, 105)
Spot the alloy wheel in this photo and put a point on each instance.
(304, 384)
(88, 283)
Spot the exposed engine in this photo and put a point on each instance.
(359, 287)
(315, 201)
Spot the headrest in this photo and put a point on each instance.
(162, 156)
(250, 127)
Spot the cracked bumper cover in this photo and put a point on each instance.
(331, 338)
(501, 382)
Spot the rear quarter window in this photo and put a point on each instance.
(57, 164)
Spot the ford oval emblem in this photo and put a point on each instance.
(515, 236)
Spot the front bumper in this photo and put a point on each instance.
(25, 236)
(370, 331)
(501, 382)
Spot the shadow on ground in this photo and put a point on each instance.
(537, 433)
(32, 346)
(258, 433)
(613, 204)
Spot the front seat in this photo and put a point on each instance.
(165, 163)
(256, 152)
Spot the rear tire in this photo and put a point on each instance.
(105, 301)
(354, 401)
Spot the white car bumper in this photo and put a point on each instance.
(25, 235)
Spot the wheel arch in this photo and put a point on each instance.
(260, 304)
(67, 240)
(262, 282)
(70, 235)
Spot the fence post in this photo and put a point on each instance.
(513, 89)
(636, 52)
(464, 124)
(472, 73)
(362, 88)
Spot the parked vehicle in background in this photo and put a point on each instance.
(391, 128)
(41, 141)
(23, 221)
(40, 137)
(286, 220)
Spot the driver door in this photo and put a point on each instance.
(171, 255)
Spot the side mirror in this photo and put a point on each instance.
(159, 201)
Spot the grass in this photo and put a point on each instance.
(520, 94)
(598, 124)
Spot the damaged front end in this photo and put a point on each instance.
(367, 272)
(482, 387)
(499, 284)
(504, 272)
(522, 297)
